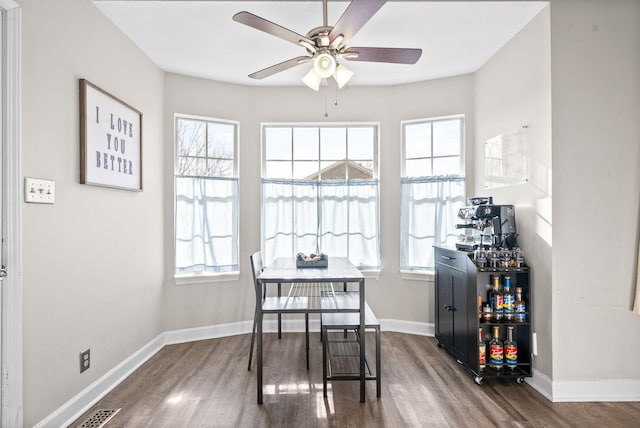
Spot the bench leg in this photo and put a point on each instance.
(306, 330)
(323, 333)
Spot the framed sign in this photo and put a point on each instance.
(505, 159)
(110, 140)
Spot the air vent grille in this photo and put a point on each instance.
(99, 418)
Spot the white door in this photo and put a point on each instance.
(3, 169)
(11, 327)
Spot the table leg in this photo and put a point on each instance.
(378, 364)
(279, 314)
(344, 288)
(259, 349)
(362, 343)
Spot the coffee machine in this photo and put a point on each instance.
(492, 226)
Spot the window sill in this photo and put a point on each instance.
(417, 275)
(371, 274)
(203, 278)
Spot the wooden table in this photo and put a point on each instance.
(284, 270)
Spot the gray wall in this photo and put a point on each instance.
(97, 264)
(93, 262)
(390, 296)
(513, 89)
(595, 69)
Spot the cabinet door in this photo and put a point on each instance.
(459, 315)
(444, 325)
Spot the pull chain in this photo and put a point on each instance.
(326, 90)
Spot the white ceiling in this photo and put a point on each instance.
(199, 38)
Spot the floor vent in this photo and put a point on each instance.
(99, 418)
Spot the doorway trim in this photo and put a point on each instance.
(12, 297)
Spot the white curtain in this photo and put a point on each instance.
(636, 305)
(335, 217)
(206, 225)
(429, 210)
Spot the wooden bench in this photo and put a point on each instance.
(341, 350)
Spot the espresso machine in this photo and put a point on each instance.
(492, 226)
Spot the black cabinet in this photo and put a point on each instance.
(459, 283)
(452, 328)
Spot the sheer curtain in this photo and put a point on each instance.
(206, 224)
(429, 209)
(335, 217)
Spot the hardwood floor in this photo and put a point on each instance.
(206, 384)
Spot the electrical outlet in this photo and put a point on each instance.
(38, 191)
(85, 360)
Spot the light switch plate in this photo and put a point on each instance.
(38, 191)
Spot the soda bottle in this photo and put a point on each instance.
(496, 300)
(508, 301)
(510, 350)
(482, 351)
(496, 350)
(520, 307)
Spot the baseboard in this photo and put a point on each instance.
(612, 390)
(209, 332)
(289, 325)
(408, 327)
(596, 390)
(86, 398)
(608, 390)
(75, 407)
(541, 383)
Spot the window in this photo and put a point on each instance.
(432, 188)
(320, 192)
(206, 192)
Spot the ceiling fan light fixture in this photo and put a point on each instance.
(308, 46)
(324, 65)
(312, 80)
(337, 41)
(342, 75)
(326, 44)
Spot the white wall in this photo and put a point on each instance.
(589, 52)
(97, 264)
(390, 296)
(93, 262)
(511, 90)
(595, 69)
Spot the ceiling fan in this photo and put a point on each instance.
(326, 44)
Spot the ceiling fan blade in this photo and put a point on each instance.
(393, 55)
(354, 17)
(285, 65)
(254, 21)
